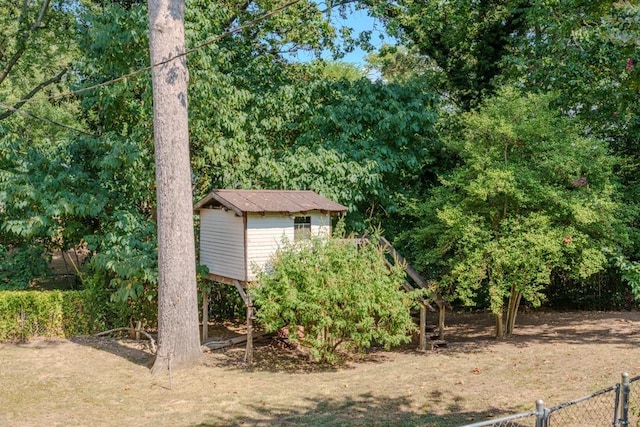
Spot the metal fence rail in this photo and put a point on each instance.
(517, 420)
(617, 406)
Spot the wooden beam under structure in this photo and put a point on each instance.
(240, 286)
(222, 279)
(205, 315)
(248, 354)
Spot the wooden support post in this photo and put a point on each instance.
(423, 328)
(248, 356)
(205, 315)
(441, 315)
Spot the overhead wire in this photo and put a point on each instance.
(43, 119)
(166, 61)
(138, 71)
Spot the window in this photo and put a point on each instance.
(301, 227)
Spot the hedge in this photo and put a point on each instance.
(52, 314)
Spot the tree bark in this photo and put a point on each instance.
(178, 334)
(499, 326)
(514, 304)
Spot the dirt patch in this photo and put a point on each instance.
(100, 381)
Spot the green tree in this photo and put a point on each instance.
(585, 51)
(36, 50)
(532, 194)
(342, 294)
(48, 204)
(398, 64)
(466, 41)
(359, 142)
(38, 186)
(262, 132)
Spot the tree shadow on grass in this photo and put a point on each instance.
(475, 332)
(134, 351)
(363, 410)
(467, 333)
(268, 358)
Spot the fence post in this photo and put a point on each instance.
(616, 405)
(541, 414)
(22, 320)
(626, 389)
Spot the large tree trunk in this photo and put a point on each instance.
(178, 334)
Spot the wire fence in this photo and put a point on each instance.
(618, 405)
(633, 403)
(24, 324)
(27, 325)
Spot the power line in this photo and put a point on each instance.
(43, 119)
(166, 61)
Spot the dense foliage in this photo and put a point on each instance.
(78, 170)
(28, 314)
(531, 195)
(581, 53)
(341, 293)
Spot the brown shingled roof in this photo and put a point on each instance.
(262, 201)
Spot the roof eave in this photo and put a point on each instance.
(213, 196)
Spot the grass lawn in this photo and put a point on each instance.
(106, 382)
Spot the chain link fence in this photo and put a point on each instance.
(618, 405)
(517, 420)
(597, 409)
(25, 315)
(633, 402)
(28, 325)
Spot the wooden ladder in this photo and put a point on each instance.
(424, 303)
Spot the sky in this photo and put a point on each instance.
(359, 21)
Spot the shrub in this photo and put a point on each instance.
(225, 302)
(108, 309)
(343, 294)
(25, 314)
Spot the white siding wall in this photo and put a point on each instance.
(266, 233)
(222, 243)
(321, 224)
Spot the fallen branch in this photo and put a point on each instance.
(217, 345)
(110, 331)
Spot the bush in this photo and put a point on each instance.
(343, 294)
(108, 309)
(225, 302)
(603, 291)
(25, 314)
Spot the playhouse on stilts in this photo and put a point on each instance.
(240, 231)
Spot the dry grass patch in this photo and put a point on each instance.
(101, 381)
